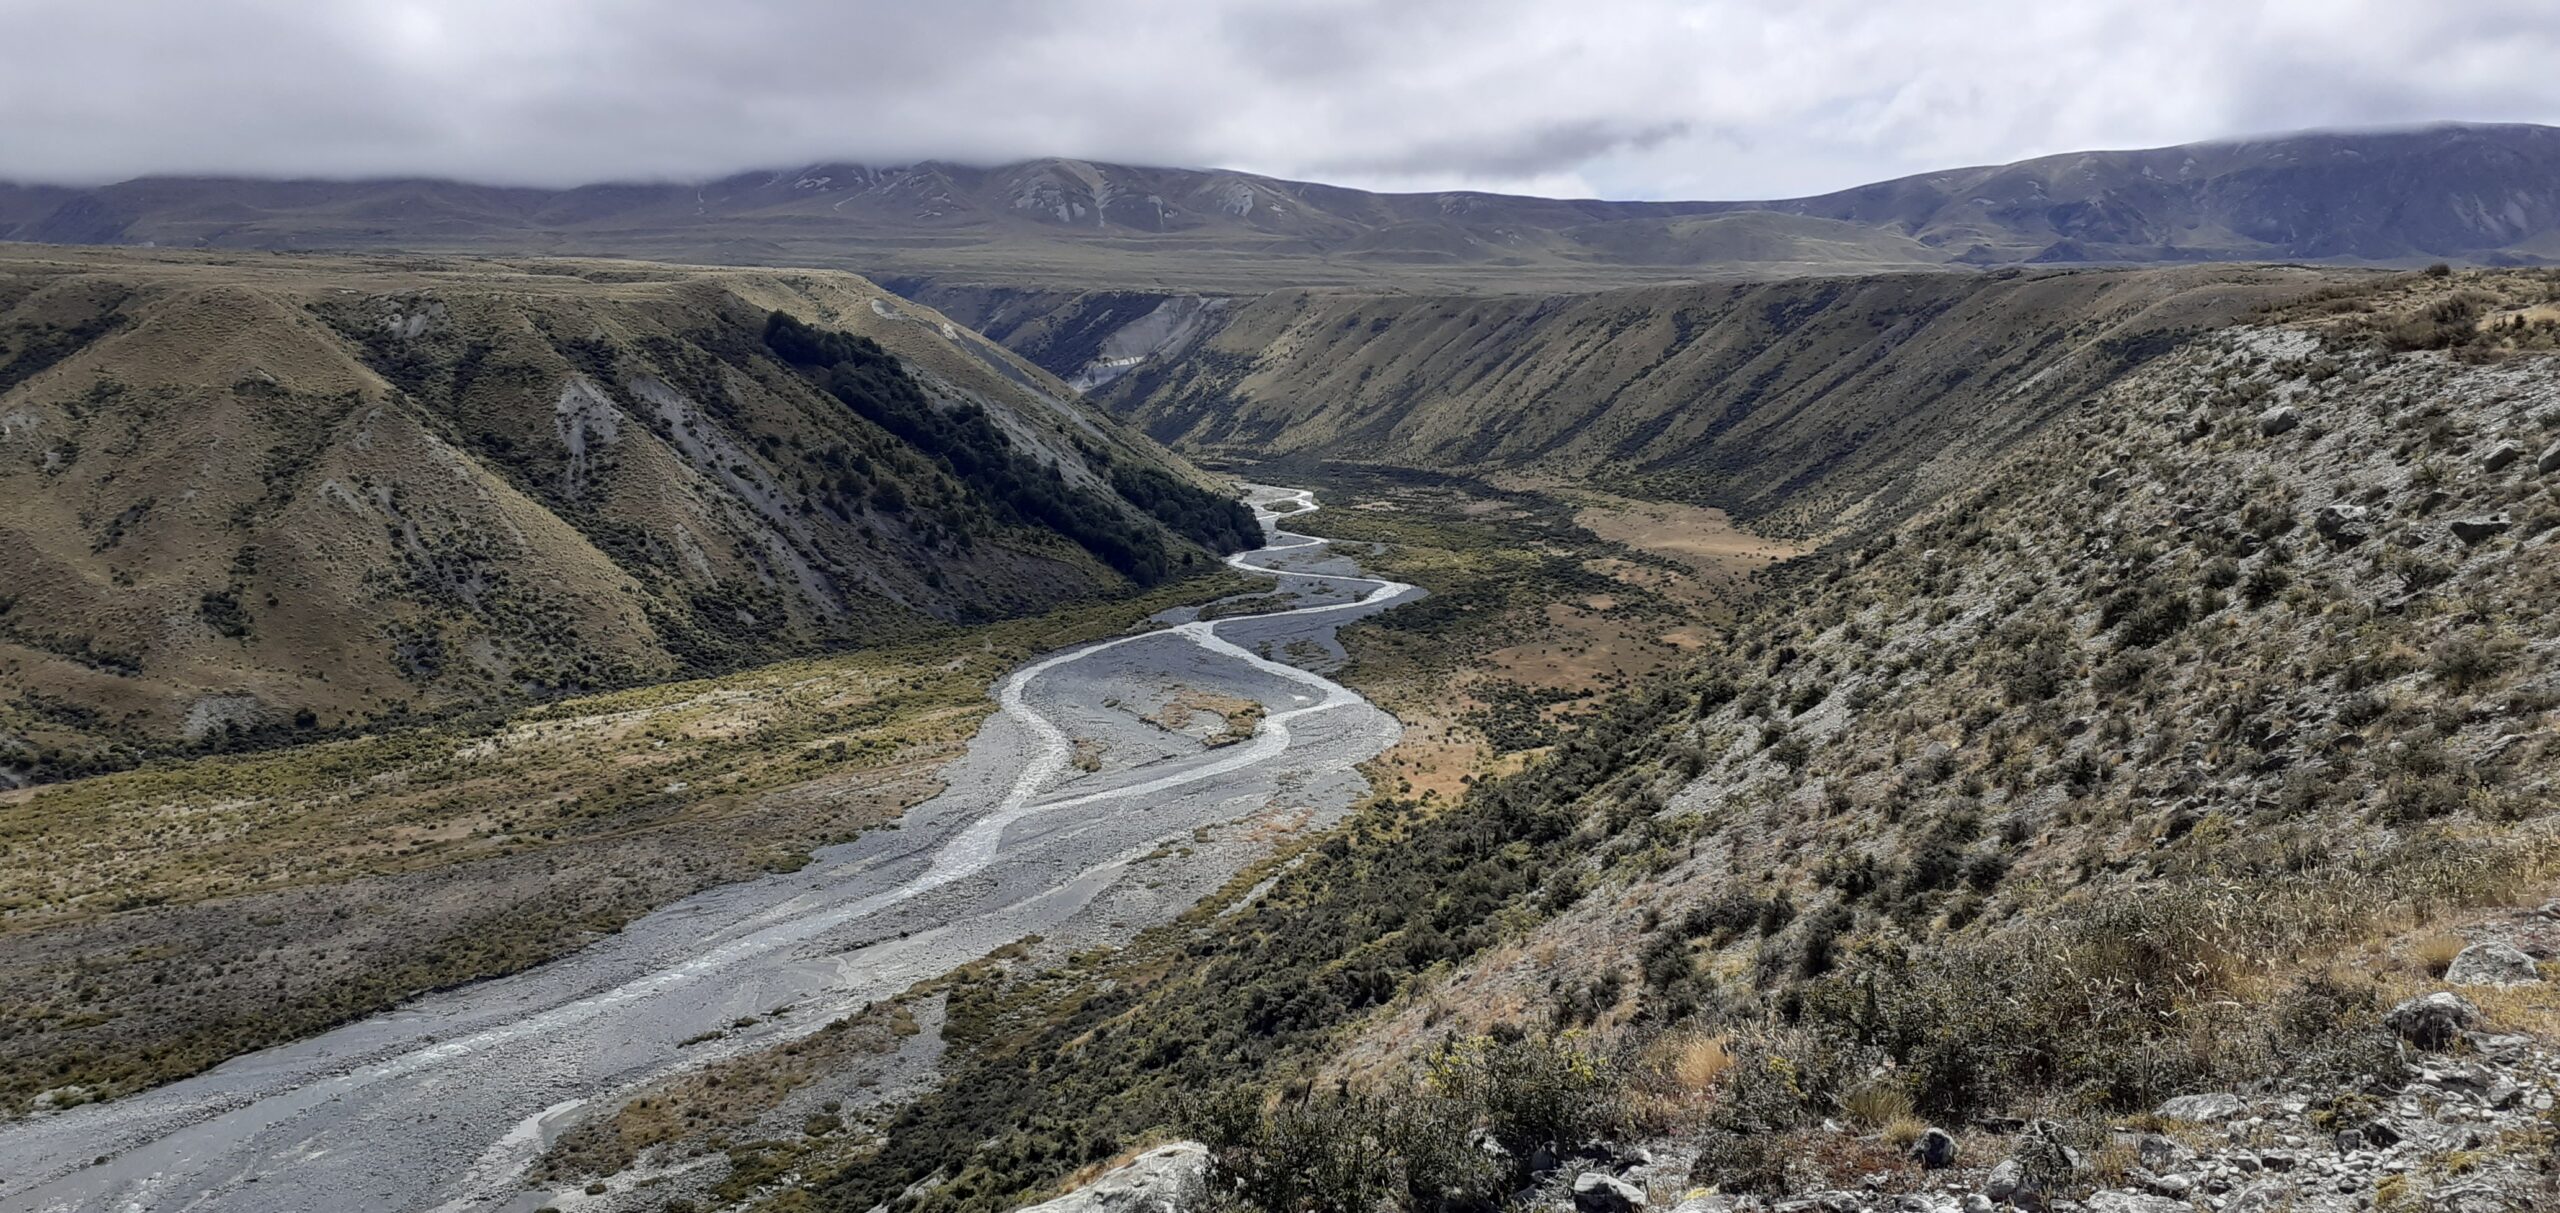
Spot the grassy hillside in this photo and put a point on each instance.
(250, 499)
(1801, 407)
(2157, 759)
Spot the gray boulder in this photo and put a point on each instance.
(2204, 1109)
(2481, 528)
(2006, 1181)
(1167, 1179)
(1936, 1150)
(2162, 1153)
(2341, 523)
(2175, 1187)
(2550, 460)
(2432, 1021)
(2492, 964)
(2038, 1164)
(2278, 420)
(2501, 457)
(1594, 1192)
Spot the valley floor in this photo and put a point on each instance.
(452, 1097)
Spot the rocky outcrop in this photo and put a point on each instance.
(2343, 524)
(1167, 1179)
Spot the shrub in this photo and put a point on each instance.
(1821, 936)
(1350, 1152)
(1317, 1155)
(2468, 660)
(1531, 1090)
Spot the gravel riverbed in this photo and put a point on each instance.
(442, 1104)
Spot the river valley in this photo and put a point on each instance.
(443, 1104)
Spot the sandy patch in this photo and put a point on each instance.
(1698, 536)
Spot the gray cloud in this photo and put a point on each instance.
(1634, 98)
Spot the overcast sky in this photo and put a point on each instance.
(1617, 98)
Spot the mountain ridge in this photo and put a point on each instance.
(2486, 193)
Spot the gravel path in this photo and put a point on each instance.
(441, 1104)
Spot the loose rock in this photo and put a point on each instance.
(2481, 528)
(2204, 1109)
(2432, 1021)
(2006, 1182)
(2341, 523)
(1594, 1192)
(1935, 1150)
(2162, 1153)
(2492, 963)
(2278, 420)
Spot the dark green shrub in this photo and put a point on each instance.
(1316, 1155)
(1532, 1090)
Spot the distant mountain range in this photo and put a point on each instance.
(2486, 194)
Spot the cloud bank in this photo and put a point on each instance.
(1619, 98)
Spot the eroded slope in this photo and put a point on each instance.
(1802, 407)
(281, 494)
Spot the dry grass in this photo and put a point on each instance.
(1878, 1105)
(1703, 538)
(1903, 1130)
(2115, 1161)
(2532, 1010)
(2434, 954)
(1675, 1079)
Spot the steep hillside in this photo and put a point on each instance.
(1801, 406)
(276, 495)
(2160, 759)
(2478, 193)
(1087, 338)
